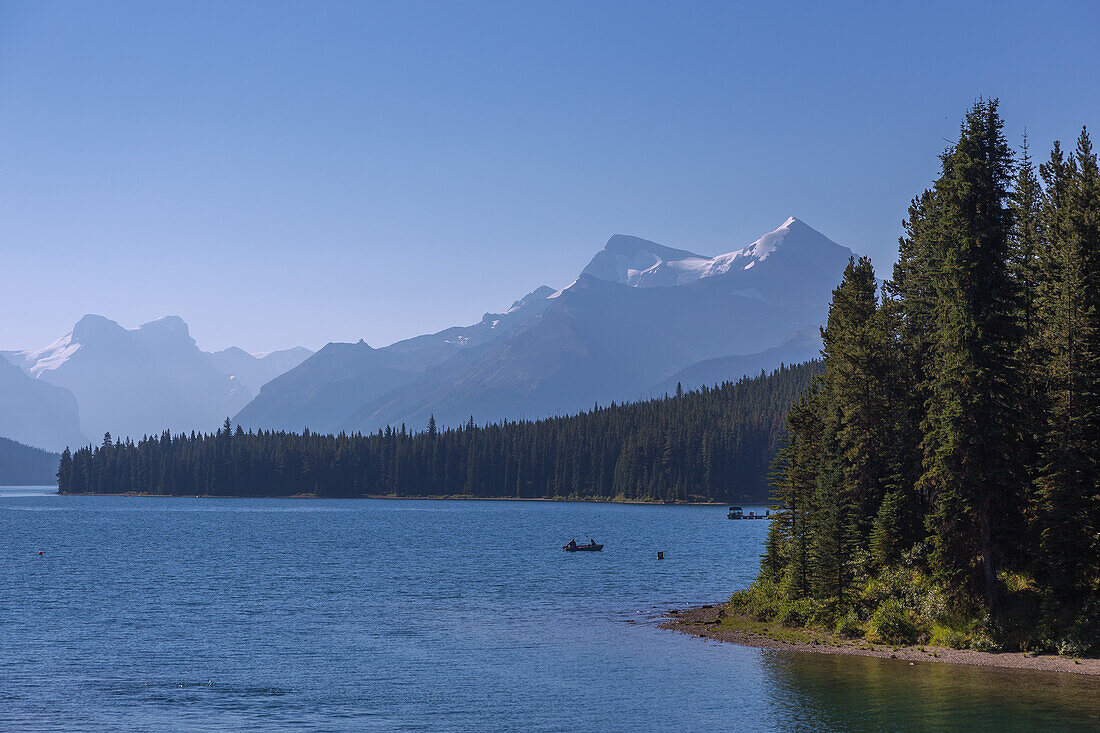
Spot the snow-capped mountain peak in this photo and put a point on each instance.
(790, 230)
(90, 328)
(761, 248)
(640, 263)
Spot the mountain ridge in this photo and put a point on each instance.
(141, 380)
(325, 390)
(638, 315)
(614, 333)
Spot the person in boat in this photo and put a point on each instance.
(591, 541)
(572, 544)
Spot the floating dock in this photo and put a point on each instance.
(736, 513)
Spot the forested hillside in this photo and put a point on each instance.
(714, 444)
(22, 465)
(941, 481)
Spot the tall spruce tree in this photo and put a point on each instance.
(910, 310)
(1027, 201)
(832, 526)
(1069, 493)
(1026, 253)
(859, 376)
(853, 469)
(794, 482)
(972, 465)
(65, 472)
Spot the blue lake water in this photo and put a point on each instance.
(299, 614)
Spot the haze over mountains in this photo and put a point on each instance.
(129, 382)
(638, 314)
(327, 388)
(35, 412)
(253, 371)
(639, 319)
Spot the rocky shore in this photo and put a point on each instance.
(713, 622)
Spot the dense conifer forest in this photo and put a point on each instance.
(22, 465)
(940, 480)
(714, 444)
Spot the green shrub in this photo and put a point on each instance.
(892, 623)
(1072, 647)
(984, 642)
(1084, 632)
(952, 638)
(762, 600)
(795, 613)
(1015, 582)
(849, 626)
(805, 612)
(933, 604)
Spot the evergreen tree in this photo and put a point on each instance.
(64, 472)
(1027, 201)
(1027, 249)
(794, 483)
(1069, 493)
(832, 534)
(857, 350)
(971, 446)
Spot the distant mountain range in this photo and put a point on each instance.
(797, 348)
(253, 371)
(37, 413)
(22, 465)
(639, 315)
(101, 377)
(638, 320)
(324, 391)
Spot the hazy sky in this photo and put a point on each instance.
(296, 173)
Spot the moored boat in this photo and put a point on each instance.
(736, 512)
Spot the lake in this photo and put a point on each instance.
(300, 614)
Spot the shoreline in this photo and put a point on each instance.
(425, 497)
(711, 622)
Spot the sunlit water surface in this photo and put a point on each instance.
(297, 614)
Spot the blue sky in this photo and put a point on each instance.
(297, 173)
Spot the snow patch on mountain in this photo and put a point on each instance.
(640, 263)
(557, 293)
(759, 250)
(49, 357)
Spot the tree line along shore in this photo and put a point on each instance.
(706, 445)
(939, 481)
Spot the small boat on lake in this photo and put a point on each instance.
(592, 546)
